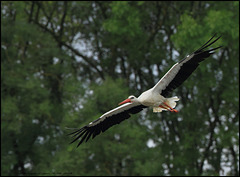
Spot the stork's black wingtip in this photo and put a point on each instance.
(214, 35)
(79, 144)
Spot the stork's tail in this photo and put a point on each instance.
(169, 101)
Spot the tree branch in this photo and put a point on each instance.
(89, 60)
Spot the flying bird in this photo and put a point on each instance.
(155, 97)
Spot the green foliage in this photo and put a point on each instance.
(125, 20)
(64, 64)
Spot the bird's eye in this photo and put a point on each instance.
(131, 97)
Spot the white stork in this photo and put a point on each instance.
(154, 97)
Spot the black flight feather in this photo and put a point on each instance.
(96, 127)
(188, 67)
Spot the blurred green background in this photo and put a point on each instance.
(63, 64)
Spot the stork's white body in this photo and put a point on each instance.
(151, 98)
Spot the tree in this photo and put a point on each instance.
(66, 63)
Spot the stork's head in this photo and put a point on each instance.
(130, 99)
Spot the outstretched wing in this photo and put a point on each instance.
(106, 121)
(183, 69)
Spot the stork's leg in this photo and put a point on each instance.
(170, 108)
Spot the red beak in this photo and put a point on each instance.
(125, 101)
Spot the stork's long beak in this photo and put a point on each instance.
(125, 101)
